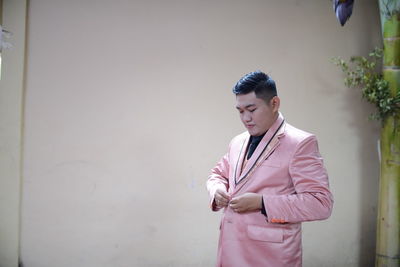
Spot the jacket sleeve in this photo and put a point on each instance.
(312, 199)
(218, 179)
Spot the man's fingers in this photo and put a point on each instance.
(223, 198)
(221, 201)
(235, 207)
(223, 195)
(234, 204)
(235, 200)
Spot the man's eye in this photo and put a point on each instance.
(252, 110)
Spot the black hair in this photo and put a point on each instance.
(259, 83)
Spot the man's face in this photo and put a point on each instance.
(256, 115)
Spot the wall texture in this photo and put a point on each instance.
(128, 106)
(11, 98)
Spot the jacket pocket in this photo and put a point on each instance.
(266, 234)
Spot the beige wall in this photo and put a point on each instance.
(11, 96)
(128, 106)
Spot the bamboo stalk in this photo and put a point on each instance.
(388, 224)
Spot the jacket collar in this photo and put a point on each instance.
(266, 146)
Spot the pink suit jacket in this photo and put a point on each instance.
(287, 169)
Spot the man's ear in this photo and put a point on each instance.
(275, 103)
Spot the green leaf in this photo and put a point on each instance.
(362, 72)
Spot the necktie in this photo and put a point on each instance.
(254, 141)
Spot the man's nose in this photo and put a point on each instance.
(247, 117)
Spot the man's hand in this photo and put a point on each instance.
(221, 198)
(246, 202)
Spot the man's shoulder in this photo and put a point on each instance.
(240, 137)
(292, 133)
(296, 134)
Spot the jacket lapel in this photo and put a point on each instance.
(241, 158)
(264, 149)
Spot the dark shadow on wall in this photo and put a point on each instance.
(358, 122)
(369, 132)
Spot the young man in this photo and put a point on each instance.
(271, 179)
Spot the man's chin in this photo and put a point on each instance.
(252, 133)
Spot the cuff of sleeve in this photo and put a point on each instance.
(263, 211)
(213, 205)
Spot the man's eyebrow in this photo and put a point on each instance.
(249, 105)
